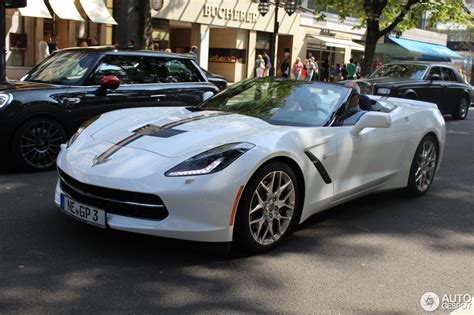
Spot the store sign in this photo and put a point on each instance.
(229, 14)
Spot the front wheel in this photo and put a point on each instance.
(268, 209)
(37, 143)
(460, 111)
(423, 167)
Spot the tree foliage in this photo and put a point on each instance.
(381, 17)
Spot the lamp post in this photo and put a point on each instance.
(263, 7)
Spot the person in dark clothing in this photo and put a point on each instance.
(325, 71)
(344, 72)
(285, 67)
(53, 44)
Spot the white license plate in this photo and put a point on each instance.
(83, 212)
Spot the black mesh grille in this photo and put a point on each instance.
(122, 202)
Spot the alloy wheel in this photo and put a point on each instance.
(426, 165)
(40, 143)
(272, 207)
(463, 108)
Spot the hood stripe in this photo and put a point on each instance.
(147, 130)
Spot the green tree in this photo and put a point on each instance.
(380, 17)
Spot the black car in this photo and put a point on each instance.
(216, 79)
(435, 83)
(40, 112)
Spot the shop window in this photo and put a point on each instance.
(17, 39)
(263, 41)
(228, 55)
(129, 69)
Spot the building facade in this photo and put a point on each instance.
(229, 34)
(70, 23)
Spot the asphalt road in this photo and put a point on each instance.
(374, 255)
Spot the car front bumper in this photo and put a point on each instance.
(187, 222)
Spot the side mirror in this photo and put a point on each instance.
(372, 120)
(435, 77)
(109, 82)
(207, 95)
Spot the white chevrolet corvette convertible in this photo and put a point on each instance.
(247, 165)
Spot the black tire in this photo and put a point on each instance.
(411, 96)
(243, 237)
(460, 111)
(36, 144)
(418, 167)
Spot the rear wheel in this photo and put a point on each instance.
(423, 166)
(411, 96)
(37, 143)
(460, 111)
(268, 209)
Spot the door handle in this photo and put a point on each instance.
(158, 95)
(72, 100)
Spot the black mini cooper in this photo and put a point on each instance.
(43, 109)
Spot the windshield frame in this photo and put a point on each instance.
(423, 76)
(80, 82)
(342, 102)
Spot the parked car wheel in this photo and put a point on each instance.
(423, 166)
(460, 111)
(268, 209)
(37, 143)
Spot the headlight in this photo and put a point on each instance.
(210, 161)
(383, 91)
(84, 125)
(5, 99)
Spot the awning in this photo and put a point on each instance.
(65, 9)
(36, 8)
(425, 48)
(97, 11)
(339, 43)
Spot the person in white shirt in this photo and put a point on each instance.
(43, 48)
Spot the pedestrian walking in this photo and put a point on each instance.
(43, 48)
(298, 68)
(259, 66)
(193, 52)
(344, 72)
(285, 67)
(376, 64)
(351, 70)
(268, 64)
(358, 71)
(316, 69)
(53, 44)
(337, 73)
(325, 72)
(94, 41)
(310, 69)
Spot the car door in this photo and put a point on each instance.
(138, 86)
(452, 90)
(182, 83)
(431, 90)
(367, 160)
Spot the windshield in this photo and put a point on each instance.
(281, 102)
(65, 68)
(405, 71)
